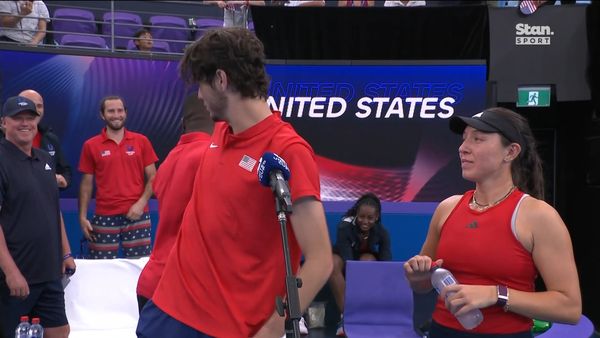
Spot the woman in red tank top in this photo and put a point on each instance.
(486, 237)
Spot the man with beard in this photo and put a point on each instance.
(122, 163)
(227, 266)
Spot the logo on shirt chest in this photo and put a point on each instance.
(129, 150)
(105, 153)
(472, 225)
(247, 163)
(51, 150)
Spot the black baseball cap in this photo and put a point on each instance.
(18, 104)
(489, 122)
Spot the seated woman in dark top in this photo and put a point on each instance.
(360, 236)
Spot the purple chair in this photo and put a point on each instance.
(583, 329)
(378, 301)
(126, 25)
(157, 46)
(203, 24)
(171, 28)
(89, 41)
(73, 20)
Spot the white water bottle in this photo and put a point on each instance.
(35, 330)
(22, 329)
(441, 278)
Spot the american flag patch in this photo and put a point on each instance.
(247, 163)
(528, 6)
(105, 153)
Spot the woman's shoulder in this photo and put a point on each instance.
(449, 203)
(345, 222)
(537, 209)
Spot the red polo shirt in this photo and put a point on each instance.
(172, 187)
(118, 170)
(227, 265)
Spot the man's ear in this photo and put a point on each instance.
(221, 80)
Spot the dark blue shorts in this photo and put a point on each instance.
(154, 323)
(45, 300)
(439, 331)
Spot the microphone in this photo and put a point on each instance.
(273, 172)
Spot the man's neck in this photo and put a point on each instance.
(24, 147)
(115, 135)
(245, 113)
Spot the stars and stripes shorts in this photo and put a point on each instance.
(112, 231)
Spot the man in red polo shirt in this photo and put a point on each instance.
(173, 187)
(227, 266)
(122, 163)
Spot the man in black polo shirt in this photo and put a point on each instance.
(34, 250)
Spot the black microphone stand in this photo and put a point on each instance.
(291, 308)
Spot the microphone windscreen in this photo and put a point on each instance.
(269, 162)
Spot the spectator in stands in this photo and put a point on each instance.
(309, 3)
(23, 21)
(235, 13)
(229, 244)
(356, 3)
(143, 40)
(122, 163)
(498, 238)
(34, 249)
(47, 140)
(405, 3)
(360, 236)
(173, 188)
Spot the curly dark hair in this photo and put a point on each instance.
(236, 51)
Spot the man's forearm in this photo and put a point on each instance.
(9, 21)
(38, 37)
(85, 194)
(66, 247)
(147, 193)
(314, 275)
(7, 264)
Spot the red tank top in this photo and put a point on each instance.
(480, 248)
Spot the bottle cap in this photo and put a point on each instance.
(35, 320)
(434, 266)
(24, 318)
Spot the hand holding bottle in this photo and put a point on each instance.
(441, 279)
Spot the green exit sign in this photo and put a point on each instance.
(534, 96)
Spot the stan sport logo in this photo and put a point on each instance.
(532, 35)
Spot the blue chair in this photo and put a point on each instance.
(203, 24)
(170, 28)
(583, 329)
(125, 27)
(379, 301)
(73, 20)
(87, 41)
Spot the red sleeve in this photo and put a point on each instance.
(148, 154)
(86, 160)
(304, 173)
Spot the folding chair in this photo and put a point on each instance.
(125, 27)
(170, 28)
(89, 41)
(73, 20)
(583, 329)
(378, 302)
